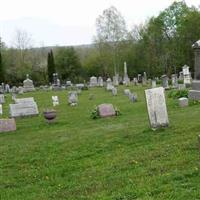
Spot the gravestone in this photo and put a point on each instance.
(126, 78)
(56, 82)
(153, 83)
(55, 100)
(165, 81)
(139, 78)
(73, 98)
(68, 83)
(183, 102)
(7, 125)
(114, 91)
(93, 81)
(127, 92)
(181, 86)
(144, 79)
(1, 109)
(7, 88)
(116, 80)
(100, 81)
(23, 109)
(186, 75)
(181, 76)
(135, 81)
(194, 94)
(80, 86)
(20, 90)
(156, 107)
(28, 85)
(109, 85)
(132, 97)
(25, 100)
(106, 110)
(174, 81)
(2, 99)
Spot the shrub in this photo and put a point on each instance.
(176, 94)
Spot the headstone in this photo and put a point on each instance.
(1, 109)
(181, 76)
(165, 81)
(183, 102)
(106, 110)
(93, 81)
(73, 98)
(80, 86)
(20, 90)
(7, 125)
(135, 81)
(181, 86)
(139, 78)
(194, 94)
(127, 92)
(2, 99)
(109, 85)
(25, 100)
(174, 81)
(28, 85)
(144, 79)
(126, 78)
(186, 75)
(156, 106)
(7, 88)
(68, 83)
(55, 100)
(116, 80)
(153, 83)
(100, 81)
(56, 82)
(114, 91)
(23, 109)
(133, 97)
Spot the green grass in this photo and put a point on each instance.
(117, 158)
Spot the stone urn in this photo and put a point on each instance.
(49, 115)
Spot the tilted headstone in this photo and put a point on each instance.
(2, 99)
(106, 110)
(28, 85)
(7, 125)
(156, 106)
(195, 92)
(55, 100)
(23, 109)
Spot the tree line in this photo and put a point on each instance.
(162, 45)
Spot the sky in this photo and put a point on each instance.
(70, 22)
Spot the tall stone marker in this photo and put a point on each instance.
(195, 92)
(156, 106)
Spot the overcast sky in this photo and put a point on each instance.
(70, 22)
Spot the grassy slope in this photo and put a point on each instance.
(115, 158)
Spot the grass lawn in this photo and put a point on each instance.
(117, 158)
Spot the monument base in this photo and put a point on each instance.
(194, 94)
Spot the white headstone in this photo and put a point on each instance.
(73, 98)
(2, 99)
(55, 100)
(114, 91)
(93, 81)
(156, 106)
(1, 109)
(24, 100)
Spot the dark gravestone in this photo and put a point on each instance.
(7, 125)
(106, 110)
(195, 92)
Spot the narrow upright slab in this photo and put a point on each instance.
(23, 109)
(2, 99)
(7, 125)
(156, 106)
(106, 110)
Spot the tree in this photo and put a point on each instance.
(50, 66)
(111, 30)
(2, 75)
(68, 64)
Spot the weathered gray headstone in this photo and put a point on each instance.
(73, 98)
(183, 102)
(1, 110)
(28, 85)
(100, 81)
(156, 106)
(7, 125)
(23, 109)
(2, 99)
(106, 110)
(165, 81)
(109, 85)
(174, 81)
(153, 83)
(93, 81)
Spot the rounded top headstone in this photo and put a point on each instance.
(196, 45)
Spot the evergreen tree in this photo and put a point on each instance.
(50, 66)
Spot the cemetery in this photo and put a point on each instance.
(115, 120)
